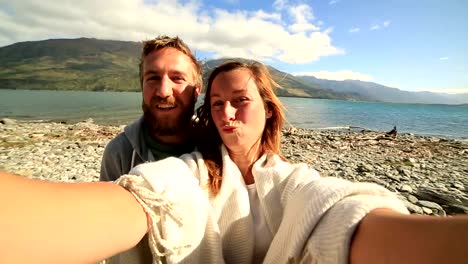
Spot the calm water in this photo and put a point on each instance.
(122, 107)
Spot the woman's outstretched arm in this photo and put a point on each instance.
(384, 236)
(48, 222)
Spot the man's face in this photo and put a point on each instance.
(169, 92)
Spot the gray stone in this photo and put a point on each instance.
(364, 168)
(459, 186)
(438, 173)
(436, 208)
(426, 210)
(391, 188)
(408, 162)
(455, 209)
(7, 121)
(406, 188)
(413, 208)
(405, 173)
(380, 182)
(412, 198)
(437, 196)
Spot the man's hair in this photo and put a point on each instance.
(209, 140)
(162, 42)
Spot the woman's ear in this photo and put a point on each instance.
(268, 113)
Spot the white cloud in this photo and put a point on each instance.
(260, 14)
(338, 75)
(301, 27)
(280, 4)
(443, 58)
(253, 34)
(354, 30)
(377, 26)
(302, 15)
(256, 38)
(328, 30)
(332, 2)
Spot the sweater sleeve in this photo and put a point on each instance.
(113, 163)
(320, 218)
(110, 165)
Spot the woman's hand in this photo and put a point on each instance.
(384, 236)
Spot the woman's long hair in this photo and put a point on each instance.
(208, 138)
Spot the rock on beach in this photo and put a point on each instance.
(429, 174)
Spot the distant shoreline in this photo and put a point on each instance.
(292, 96)
(340, 129)
(110, 108)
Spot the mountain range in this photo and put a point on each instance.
(108, 65)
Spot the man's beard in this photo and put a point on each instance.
(169, 124)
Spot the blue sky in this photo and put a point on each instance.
(419, 45)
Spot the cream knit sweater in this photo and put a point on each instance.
(311, 219)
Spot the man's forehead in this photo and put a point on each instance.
(168, 57)
(153, 69)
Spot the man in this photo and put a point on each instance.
(171, 80)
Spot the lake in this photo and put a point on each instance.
(118, 108)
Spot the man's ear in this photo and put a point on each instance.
(197, 91)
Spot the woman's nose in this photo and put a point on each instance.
(229, 112)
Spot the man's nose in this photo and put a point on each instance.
(229, 112)
(165, 88)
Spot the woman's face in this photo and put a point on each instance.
(238, 110)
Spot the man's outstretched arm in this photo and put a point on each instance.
(50, 222)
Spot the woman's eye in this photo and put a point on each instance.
(217, 103)
(242, 99)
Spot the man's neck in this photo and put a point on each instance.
(176, 139)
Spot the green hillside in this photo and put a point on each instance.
(64, 64)
(106, 65)
(291, 86)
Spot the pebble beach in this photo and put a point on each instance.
(429, 174)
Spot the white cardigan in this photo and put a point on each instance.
(311, 219)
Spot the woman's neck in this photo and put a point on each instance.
(245, 160)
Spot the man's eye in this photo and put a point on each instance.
(178, 78)
(153, 78)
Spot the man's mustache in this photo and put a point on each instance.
(168, 101)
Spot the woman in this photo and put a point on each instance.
(235, 201)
